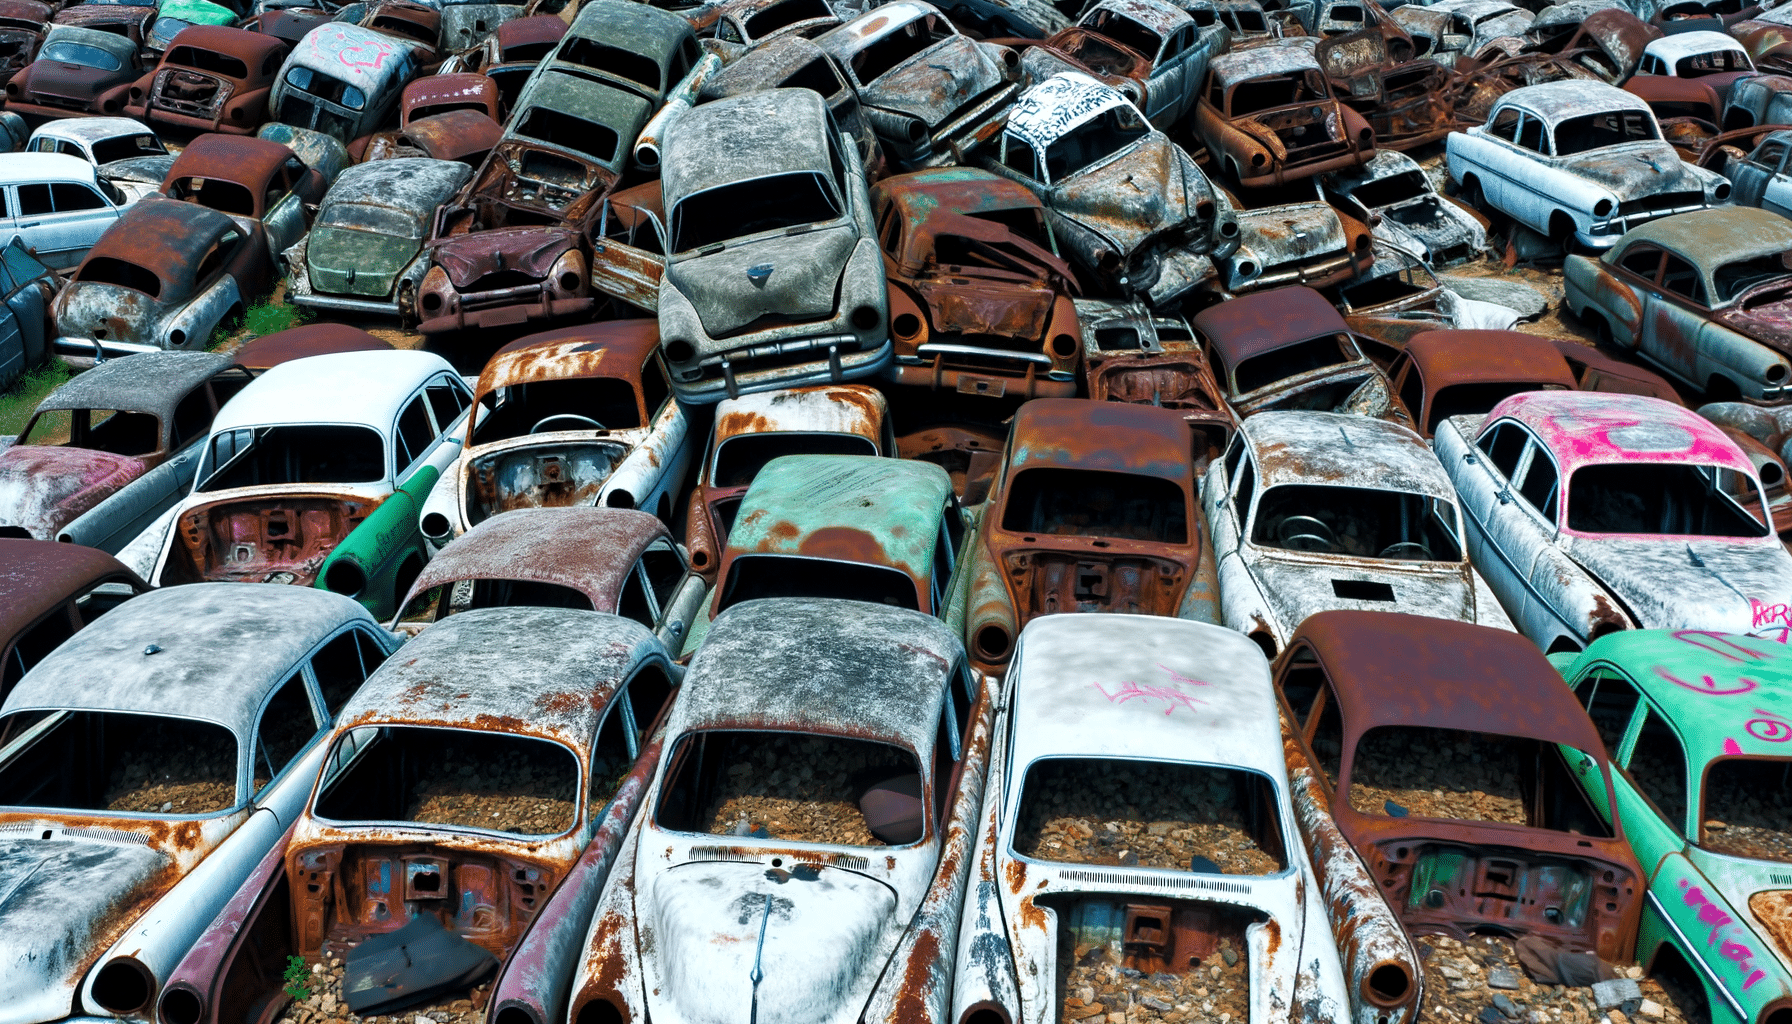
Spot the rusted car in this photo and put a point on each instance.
(1687, 109)
(211, 78)
(1398, 296)
(1591, 513)
(793, 62)
(173, 17)
(1249, 23)
(976, 293)
(343, 80)
(313, 476)
(619, 560)
(510, 55)
(261, 185)
(28, 287)
(132, 20)
(1268, 116)
(418, 24)
(740, 26)
(144, 794)
(289, 25)
(21, 31)
(467, 23)
(1095, 511)
(1407, 104)
(1313, 511)
(1760, 178)
(627, 45)
(560, 750)
(462, 136)
(164, 276)
(1459, 30)
(924, 117)
(774, 277)
(577, 416)
(1131, 355)
(1449, 753)
(848, 881)
(1153, 51)
(111, 450)
(1124, 202)
(47, 592)
(1713, 58)
(77, 71)
(1288, 349)
(752, 430)
(364, 252)
(512, 246)
(1137, 832)
(123, 152)
(1291, 234)
(259, 355)
(1702, 296)
(1393, 193)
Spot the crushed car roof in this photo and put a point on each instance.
(238, 158)
(776, 131)
(1049, 110)
(153, 385)
(1331, 448)
(165, 237)
(89, 129)
(344, 387)
(1583, 428)
(1260, 322)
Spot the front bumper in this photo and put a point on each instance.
(1281, 175)
(738, 378)
(544, 308)
(1605, 234)
(929, 370)
(79, 353)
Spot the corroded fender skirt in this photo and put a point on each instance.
(1378, 959)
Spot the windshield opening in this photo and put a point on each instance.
(1666, 499)
(1129, 33)
(555, 128)
(1732, 279)
(1594, 131)
(791, 787)
(1712, 63)
(139, 764)
(1396, 188)
(102, 430)
(215, 193)
(80, 53)
(1096, 503)
(1246, 22)
(127, 147)
(455, 778)
(726, 212)
(783, 15)
(1150, 814)
(1424, 772)
(1359, 522)
(114, 271)
(613, 60)
(1273, 91)
(431, 110)
(817, 76)
(258, 456)
(897, 47)
(1748, 808)
(438, 603)
(207, 60)
(740, 458)
(751, 577)
(544, 406)
(1111, 131)
(1260, 371)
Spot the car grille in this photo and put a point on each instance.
(189, 92)
(1660, 203)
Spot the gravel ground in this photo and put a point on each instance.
(325, 1005)
(1098, 991)
(800, 788)
(1457, 989)
(1748, 809)
(1439, 773)
(523, 789)
(168, 772)
(1148, 815)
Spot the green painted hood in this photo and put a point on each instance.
(376, 260)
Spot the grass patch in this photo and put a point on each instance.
(263, 318)
(21, 399)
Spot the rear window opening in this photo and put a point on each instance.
(217, 194)
(1596, 131)
(455, 778)
(431, 110)
(727, 212)
(126, 147)
(1129, 33)
(1665, 499)
(613, 60)
(1474, 399)
(555, 128)
(784, 15)
(1713, 63)
(138, 764)
(1172, 952)
(1150, 814)
(257, 456)
(438, 603)
(330, 90)
(787, 787)
(103, 430)
(1422, 772)
(1271, 92)
(543, 406)
(403, 27)
(559, 474)
(817, 76)
(755, 576)
(1748, 808)
(741, 457)
(1096, 503)
(113, 271)
(897, 47)
(1357, 522)
(1261, 371)
(1398, 282)
(1101, 136)
(1396, 188)
(209, 61)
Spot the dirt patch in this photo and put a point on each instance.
(159, 773)
(1457, 990)
(1152, 815)
(522, 790)
(801, 788)
(1438, 773)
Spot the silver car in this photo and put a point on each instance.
(58, 204)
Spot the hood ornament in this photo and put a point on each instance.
(759, 273)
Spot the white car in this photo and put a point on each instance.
(1393, 187)
(58, 204)
(1579, 162)
(1316, 511)
(1137, 814)
(1593, 512)
(1696, 55)
(125, 151)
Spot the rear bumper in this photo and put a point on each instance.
(79, 353)
(158, 116)
(507, 316)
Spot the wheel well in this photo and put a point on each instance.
(1721, 389)
(665, 509)
(1561, 226)
(1670, 968)
(1267, 642)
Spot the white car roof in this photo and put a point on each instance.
(1048, 111)
(89, 130)
(16, 168)
(1343, 450)
(1691, 44)
(1138, 686)
(1555, 102)
(365, 388)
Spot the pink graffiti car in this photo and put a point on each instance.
(1589, 513)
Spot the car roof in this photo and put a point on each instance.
(594, 550)
(114, 44)
(38, 575)
(1718, 235)
(207, 651)
(1260, 61)
(305, 340)
(165, 237)
(328, 46)
(1158, 15)
(1492, 357)
(1723, 693)
(1386, 163)
(1691, 44)
(872, 25)
(1584, 428)
(1053, 108)
(237, 42)
(612, 348)
(1138, 686)
(238, 158)
(1119, 437)
(777, 57)
(819, 409)
(153, 385)
(344, 387)
(1555, 102)
(1260, 322)
(635, 27)
(943, 191)
(415, 184)
(615, 108)
(542, 672)
(86, 129)
(1395, 669)
(30, 167)
(787, 665)
(1339, 449)
(774, 131)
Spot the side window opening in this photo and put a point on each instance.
(665, 571)
(1539, 487)
(70, 197)
(33, 644)
(648, 694)
(1610, 701)
(287, 724)
(447, 402)
(1658, 764)
(612, 755)
(192, 417)
(947, 745)
(1302, 682)
(340, 668)
(1326, 735)
(34, 199)
(633, 602)
(1503, 445)
(414, 433)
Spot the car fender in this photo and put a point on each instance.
(1745, 361)
(654, 468)
(228, 953)
(199, 318)
(610, 970)
(983, 965)
(1242, 605)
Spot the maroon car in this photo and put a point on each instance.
(22, 25)
(47, 592)
(78, 71)
(211, 79)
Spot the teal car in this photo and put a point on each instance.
(1699, 726)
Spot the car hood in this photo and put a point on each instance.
(804, 278)
(73, 81)
(527, 251)
(934, 83)
(1430, 222)
(65, 902)
(1659, 582)
(44, 488)
(1764, 314)
(346, 262)
(1298, 587)
(827, 936)
(1634, 171)
(1291, 233)
(1147, 190)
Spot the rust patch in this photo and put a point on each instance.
(1016, 872)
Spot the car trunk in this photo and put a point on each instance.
(263, 539)
(544, 474)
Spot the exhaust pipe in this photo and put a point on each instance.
(682, 98)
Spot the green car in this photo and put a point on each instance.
(1699, 725)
